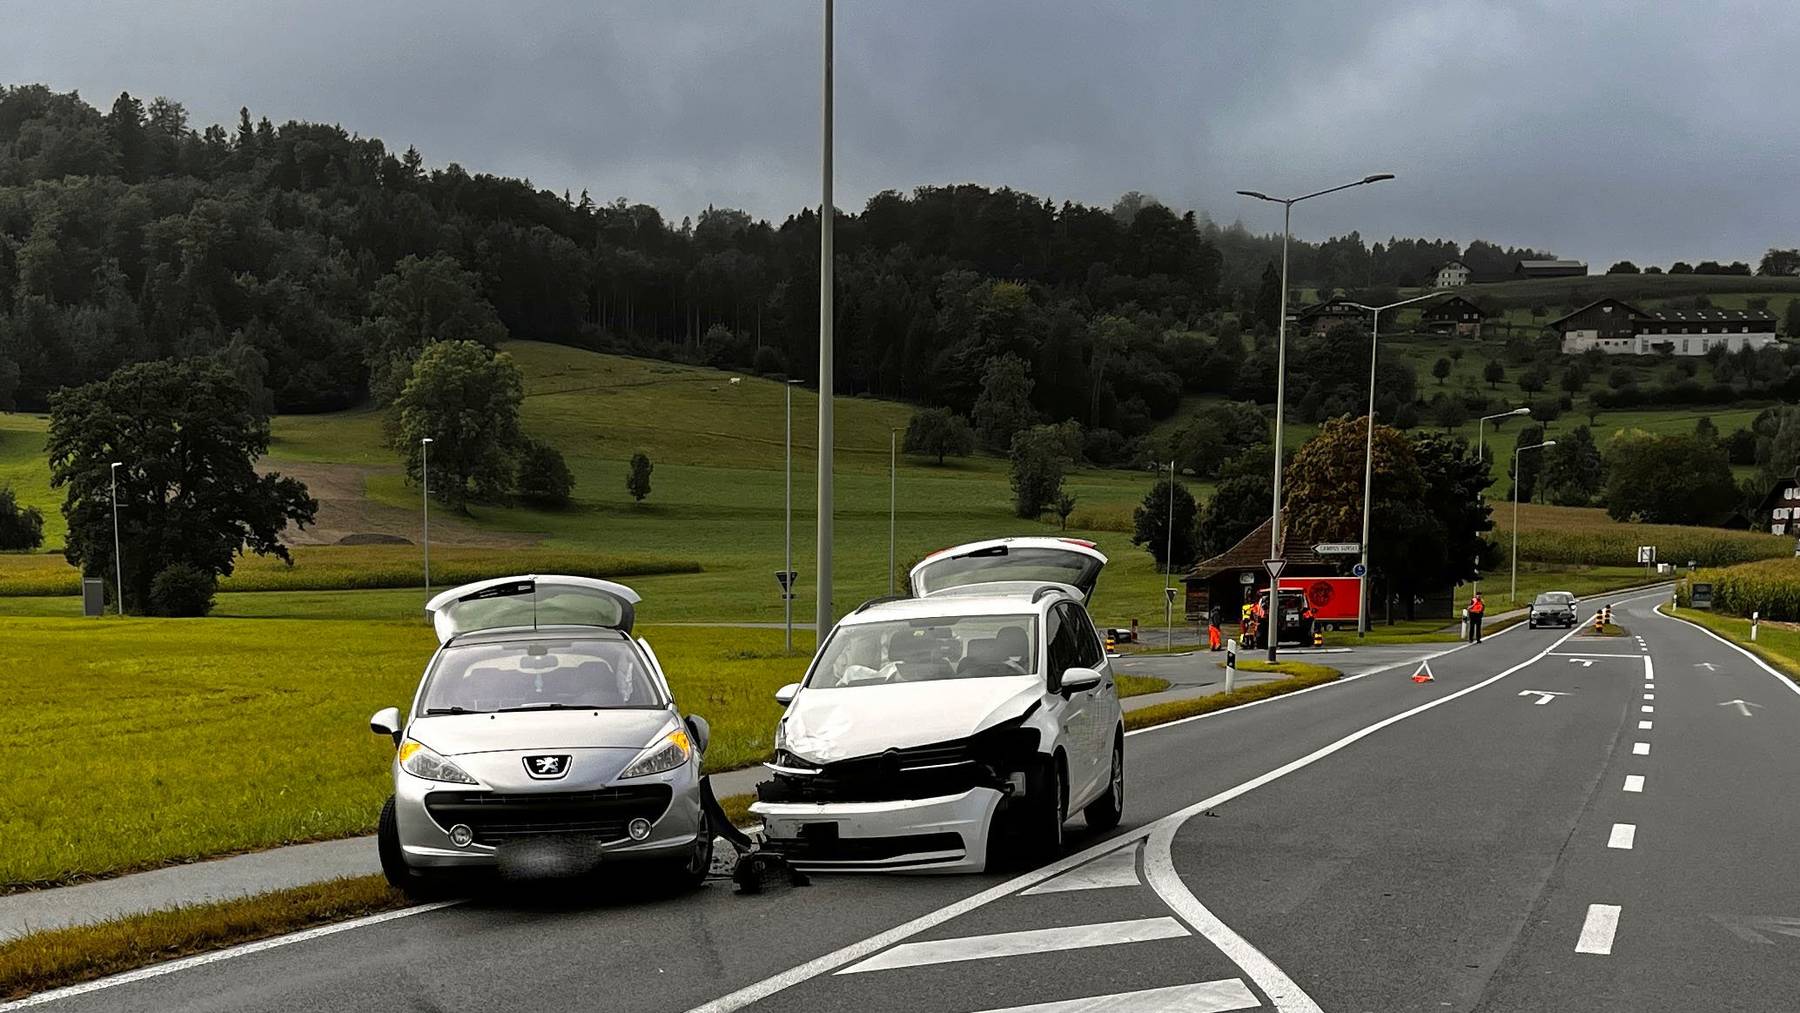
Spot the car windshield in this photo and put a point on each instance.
(1555, 598)
(923, 650)
(539, 675)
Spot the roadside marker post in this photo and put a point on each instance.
(1755, 617)
(1231, 647)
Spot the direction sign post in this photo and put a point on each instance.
(1273, 620)
(1338, 548)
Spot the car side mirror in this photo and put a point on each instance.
(700, 730)
(1079, 680)
(785, 695)
(386, 721)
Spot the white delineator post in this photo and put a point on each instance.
(1231, 647)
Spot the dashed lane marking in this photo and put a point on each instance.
(1118, 868)
(1634, 782)
(1012, 944)
(1644, 726)
(1640, 749)
(1206, 997)
(1624, 835)
(1598, 930)
(1647, 709)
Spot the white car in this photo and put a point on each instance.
(943, 731)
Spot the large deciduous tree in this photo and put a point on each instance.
(1667, 479)
(1040, 454)
(1165, 526)
(422, 301)
(466, 398)
(1572, 474)
(189, 493)
(938, 432)
(1004, 407)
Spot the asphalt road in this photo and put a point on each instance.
(1372, 845)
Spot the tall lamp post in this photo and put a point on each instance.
(893, 497)
(1513, 597)
(822, 612)
(1169, 568)
(118, 565)
(1481, 452)
(1287, 215)
(1362, 583)
(425, 504)
(787, 566)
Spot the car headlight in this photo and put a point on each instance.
(671, 752)
(418, 761)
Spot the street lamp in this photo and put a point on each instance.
(1481, 455)
(1513, 597)
(827, 213)
(118, 566)
(1362, 583)
(1169, 568)
(425, 503)
(893, 488)
(1287, 215)
(787, 567)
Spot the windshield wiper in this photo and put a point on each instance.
(451, 710)
(543, 707)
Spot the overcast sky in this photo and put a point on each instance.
(1595, 129)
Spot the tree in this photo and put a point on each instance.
(1039, 456)
(543, 478)
(1237, 506)
(1449, 412)
(1523, 468)
(1790, 324)
(1533, 379)
(1623, 267)
(1267, 307)
(1572, 473)
(1681, 267)
(939, 432)
(1004, 407)
(1493, 373)
(1705, 429)
(189, 491)
(1441, 370)
(1151, 525)
(637, 480)
(1064, 506)
(21, 527)
(1779, 263)
(1572, 380)
(1667, 479)
(422, 301)
(466, 398)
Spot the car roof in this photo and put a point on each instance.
(954, 605)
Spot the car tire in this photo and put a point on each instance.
(1044, 838)
(1103, 813)
(684, 874)
(415, 884)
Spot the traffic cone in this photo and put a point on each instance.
(1424, 673)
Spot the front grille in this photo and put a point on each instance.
(865, 849)
(929, 771)
(498, 817)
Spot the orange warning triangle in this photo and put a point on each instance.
(1424, 673)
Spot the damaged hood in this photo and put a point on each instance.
(827, 725)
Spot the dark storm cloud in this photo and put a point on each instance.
(1599, 130)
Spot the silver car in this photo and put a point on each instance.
(543, 740)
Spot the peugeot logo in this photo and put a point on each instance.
(547, 768)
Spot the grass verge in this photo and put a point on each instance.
(60, 957)
(1300, 675)
(1776, 643)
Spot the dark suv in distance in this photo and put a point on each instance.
(1552, 608)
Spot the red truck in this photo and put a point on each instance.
(1334, 600)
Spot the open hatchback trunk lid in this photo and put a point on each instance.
(531, 602)
(1017, 562)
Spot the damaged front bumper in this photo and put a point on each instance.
(944, 834)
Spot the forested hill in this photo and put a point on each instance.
(310, 259)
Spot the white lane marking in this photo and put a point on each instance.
(1644, 726)
(1116, 869)
(1624, 835)
(1649, 685)
(1649, 696)
(1640, 749)
(1634, 782)
(1743, 706)
(1649, 669)
(1289, 1000)
(1597, 931)
(199, 960)
(1543, 696)
(1206, 997)
(1012, 944)
(1647, 709)
(1583, 662)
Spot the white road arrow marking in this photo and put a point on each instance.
(1583, 662)
(1709, 666)
(1743, 706)
(1543, 696)
(1750, 928)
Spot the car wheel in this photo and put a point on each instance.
(400, 876)
(684, 874)
(1103, 813)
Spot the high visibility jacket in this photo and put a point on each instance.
(1476, 607)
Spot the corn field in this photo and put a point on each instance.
(1771, 587)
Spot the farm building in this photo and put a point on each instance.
(1320, 318)
(1619, 328)
(1454, 315)
(1550, 269)
(1454, 274)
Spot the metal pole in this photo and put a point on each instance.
(425, 504)
(1481, 455)
(1513, 597)
(787, 566)
(1362, 585)
(893, 490)
(118, 564)
(1287, 215)
(823, 611)
(1169, 566)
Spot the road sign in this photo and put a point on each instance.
(1646, 554)
(786, 579)
(1169, 593)
(1700, 596)
(1359, 570)
(1338, 548)
(1275, 566)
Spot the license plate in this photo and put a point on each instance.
(545, 857)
